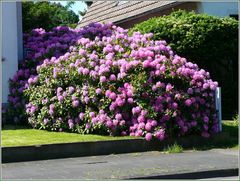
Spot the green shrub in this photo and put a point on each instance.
(46, 15)
(209, 41)
(122, 85)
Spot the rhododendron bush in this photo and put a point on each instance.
(121, 85)
(40, 45)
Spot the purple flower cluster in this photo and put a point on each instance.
(41, 45)
(123, 85)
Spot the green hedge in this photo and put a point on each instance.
(209, 41)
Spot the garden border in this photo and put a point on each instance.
(78, 149)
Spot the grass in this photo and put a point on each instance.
(175, 148)
(229, 142)
(22, 136)
(229, 127)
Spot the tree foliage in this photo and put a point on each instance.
(47, 15)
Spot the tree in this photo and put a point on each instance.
(89, 3)
(47, 15)
(81, 13)
(69, 4)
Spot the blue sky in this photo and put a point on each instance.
(78, 6)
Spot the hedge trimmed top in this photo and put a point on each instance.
(199, 37)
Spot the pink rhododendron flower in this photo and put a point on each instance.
(100, 80)
(148, 136)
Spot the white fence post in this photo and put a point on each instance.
(218, 104)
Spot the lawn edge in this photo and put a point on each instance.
(78, 149)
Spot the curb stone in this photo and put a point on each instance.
(194, 175)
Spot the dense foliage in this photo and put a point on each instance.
(46, 15)
(209, 41)
(121, 85)
(41, 45)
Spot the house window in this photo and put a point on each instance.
(121, 2)
(235, 16)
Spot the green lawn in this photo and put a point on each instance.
(231, 141)
(22, 136)
(232, 128)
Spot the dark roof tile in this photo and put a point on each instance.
(110, 11)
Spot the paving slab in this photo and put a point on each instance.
(124, 166)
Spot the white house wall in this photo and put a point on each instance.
(20, 35)
(11, 48)
(220, 9)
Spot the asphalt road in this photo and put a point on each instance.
(124, 166)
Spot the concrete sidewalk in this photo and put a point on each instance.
(126, 166)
